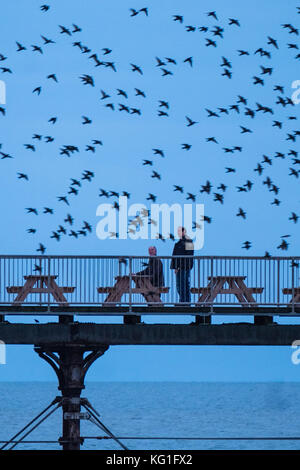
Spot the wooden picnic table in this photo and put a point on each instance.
(236, 286)
(40, 284)
(295, 293)
(143, 286)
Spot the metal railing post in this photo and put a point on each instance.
(130, 281)
(49, 267)
(1, 290)
(40, 283)
(278, 283)
(293, 286)
(211, 286)
(198, 264)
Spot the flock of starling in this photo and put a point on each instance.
(118, 100)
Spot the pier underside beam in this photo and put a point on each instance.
(94, 334)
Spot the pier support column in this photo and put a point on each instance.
(262, 320)
(203, 320)
(70, 366)
(66, 319)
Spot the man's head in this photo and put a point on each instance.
(152, 251)
(181, 232)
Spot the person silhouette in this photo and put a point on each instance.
(154, 269)
(182, 263)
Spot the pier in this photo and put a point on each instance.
(60, 289)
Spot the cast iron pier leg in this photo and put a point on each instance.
(70, 366)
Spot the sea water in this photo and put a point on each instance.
(162, 410)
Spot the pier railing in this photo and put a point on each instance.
(103, 281)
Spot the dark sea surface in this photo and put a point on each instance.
(163, 409)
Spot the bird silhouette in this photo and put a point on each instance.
(212, 14)
(36, 48)
(86, 120)
(47, 40)
(41, 248)
(20, 47)
(53, 77)
(87, 80)
(178, 188)
(76, 29)
(294, 217)
(32, 210)
(189, 60)
(190, 122)
(23, 176)
(136, 68)
(64, 30)
(247, 245)
(273, 115)
(233, 21)
(241, 213)
(178, 18)
(37, 90)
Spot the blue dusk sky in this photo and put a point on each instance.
(218, 87)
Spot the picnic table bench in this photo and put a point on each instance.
(45, 284)
(143, 286)
(236, 286)
(294, 292)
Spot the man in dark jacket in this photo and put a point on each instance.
(154, 269)
(183, 265)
